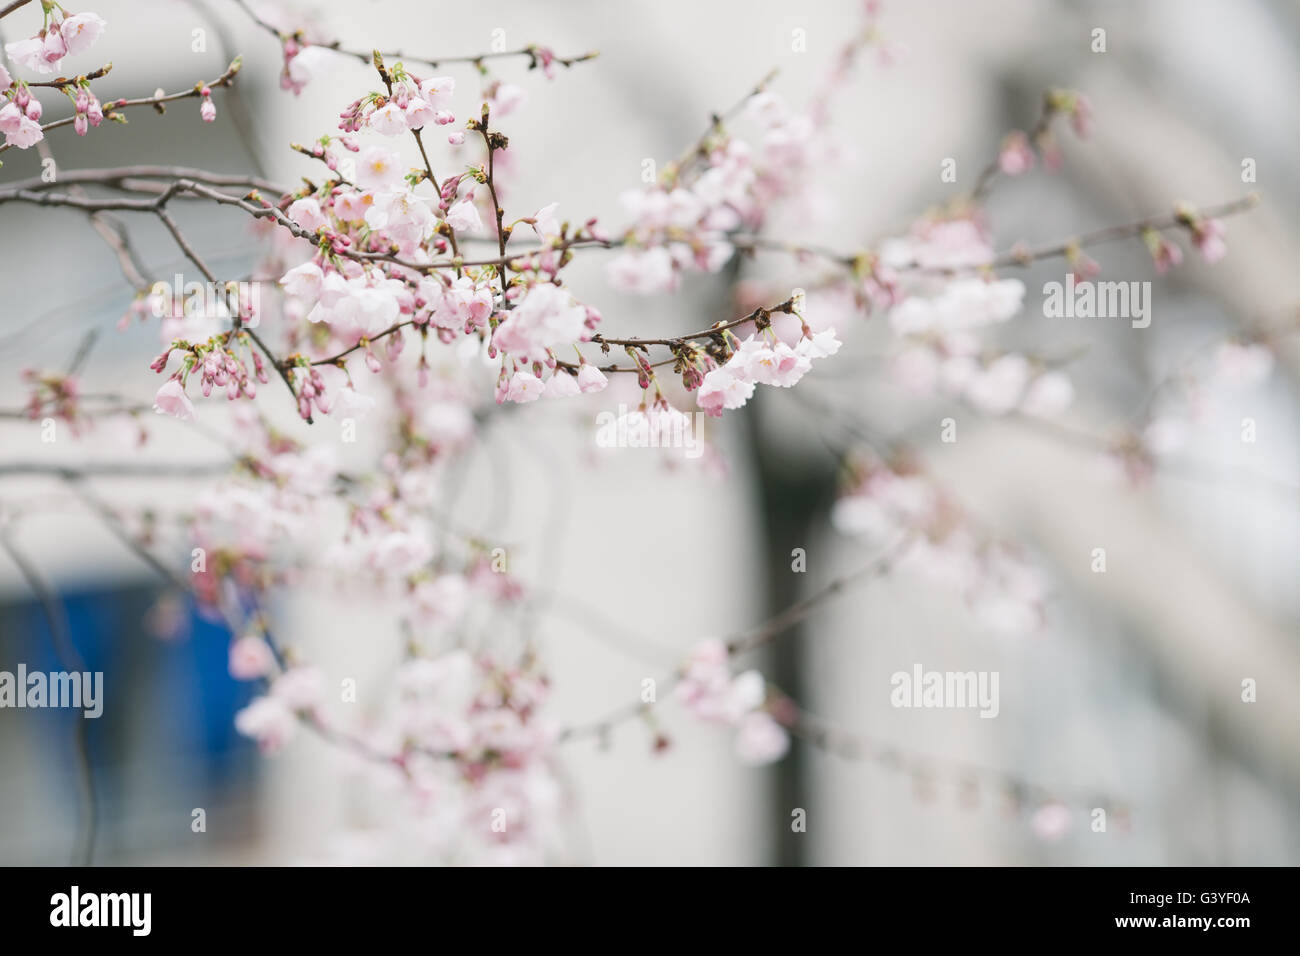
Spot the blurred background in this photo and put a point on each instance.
(1132, 690)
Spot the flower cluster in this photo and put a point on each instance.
(709, 692)
(682, 223)
(53, 396)
(884, 501)
(680, 227)
(217, 365)
(412, 103)
(942, 353)
(303, 62)
(21, 114)
(64, 34)
(272, 720)
(466, 738)
(762, 359)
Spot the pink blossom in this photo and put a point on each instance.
(591, 379)
(370, 306)
(29, 133)
(524, 387)
(464, 217)
(172, 400)
(1016, 156)
(507, 98)
(19, 130)
(460, 305)
(349, 403)
(724, 388)
(1083, 266)
(419, 113)
(402, 216)
(54, 48)
(6, 80)
(307, 213)
(379, 169)
(643, 272)
(562, 385)
(250, 658)
(437, 91)
(546, 317)
(1081, 116)
(268, 720)
(351, 206)
(1164, 253)
(1051, 821)
(303, 66)
(760, 739)
(998, 387)
(302, 687)
(821, 344)
(400, 553)
(962, 304)
(304, 281)
(1208, 239)
(207, 110)
(778, 365)
(10, 118)
(940, 243)
(30, 54)
(1049, 394)
(388, 119)
(81, 30)
(546, 222)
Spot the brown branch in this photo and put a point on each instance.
(1059, 249)
(531, 51)
(124, 177)
(987, 176)
(10, 8)
(110, 108)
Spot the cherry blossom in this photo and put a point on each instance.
(760, 739)
(172, 400)
(268, 720)
(71, 34)
(250, 658)
(378, 169)
(591, 379)
(399, 303)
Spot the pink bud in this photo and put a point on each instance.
(55, 47)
